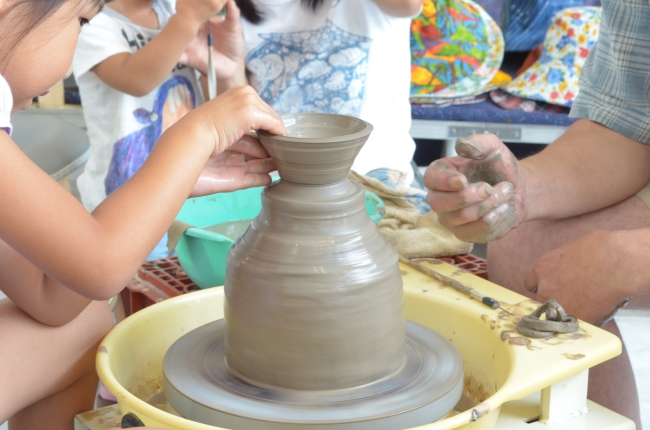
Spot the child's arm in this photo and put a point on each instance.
(140, 73)
(95, 255)
(400, 8)
(41, 297)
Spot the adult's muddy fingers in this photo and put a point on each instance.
(443, 175)
(448, 201)
(485, 221)
(490, 227)
(500, 194)
(479, 146)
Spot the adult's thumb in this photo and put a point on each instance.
(478, 146)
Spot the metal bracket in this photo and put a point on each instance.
(505, 133)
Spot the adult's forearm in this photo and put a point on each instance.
(588, 168)
(630, 257)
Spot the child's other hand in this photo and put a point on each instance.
(245, 164)
(229, 46)
(196, 12)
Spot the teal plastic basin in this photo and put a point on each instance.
(202, 253)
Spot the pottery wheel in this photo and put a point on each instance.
(199, 385)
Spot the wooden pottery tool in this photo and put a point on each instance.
(212, 76)
(454, 284)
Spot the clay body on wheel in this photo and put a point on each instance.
(314, 334)
(312, 282)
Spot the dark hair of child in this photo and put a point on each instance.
(251, 14)
(33, 12)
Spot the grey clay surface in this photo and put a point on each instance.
(313, 306)
(319, 148)
(422, 391)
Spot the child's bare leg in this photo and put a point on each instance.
(47, 374)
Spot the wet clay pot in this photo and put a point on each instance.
(313, 290)
(313, 334)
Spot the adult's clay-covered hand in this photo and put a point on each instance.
(478, 194)
(591, 276)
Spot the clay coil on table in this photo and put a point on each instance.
(314, 333)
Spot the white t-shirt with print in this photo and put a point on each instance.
(6, 105)
(347, 57)
(122, 128)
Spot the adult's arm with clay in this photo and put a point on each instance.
(599, 161)
(92, 256)
(589, 168)
(484, 192)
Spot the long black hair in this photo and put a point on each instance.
(250, 12)
(31, 13)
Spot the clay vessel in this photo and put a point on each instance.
(313, 290)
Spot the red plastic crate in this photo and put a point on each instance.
(473, 264)
(156, 281)
(161, 279)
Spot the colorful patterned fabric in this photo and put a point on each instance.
(498, 81)
(524, 22)
(615, 82)
(508, 101)
(456, 49)
(475, 97)
(554, 77)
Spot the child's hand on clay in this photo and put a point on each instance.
(245, 164)
(234, 114)
(237, 159)
(197, 12)
(228, 51)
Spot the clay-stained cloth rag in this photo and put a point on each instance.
(409, 224)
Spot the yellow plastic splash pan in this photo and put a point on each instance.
(500, 364)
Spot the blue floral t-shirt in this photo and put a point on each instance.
(346, 57)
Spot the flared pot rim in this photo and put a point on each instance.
(365, 131)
